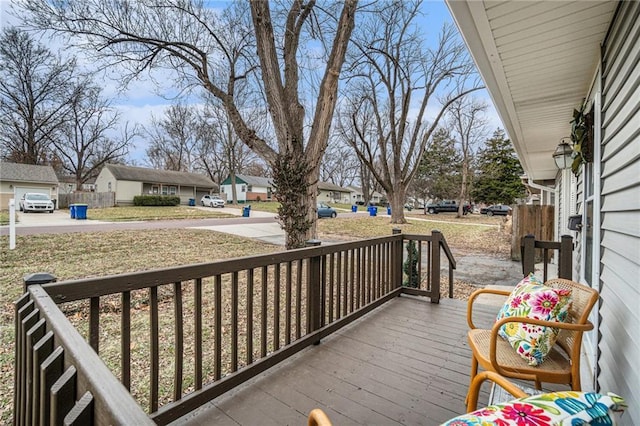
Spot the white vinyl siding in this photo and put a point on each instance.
(620, 194)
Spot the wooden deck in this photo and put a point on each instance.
(407, 362)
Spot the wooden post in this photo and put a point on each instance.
(528, 252)
(434, 268)
(314, 309)
(397, 259)
(38, 278)
(565, 260)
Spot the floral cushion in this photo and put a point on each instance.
(532, 299)
(569, 408)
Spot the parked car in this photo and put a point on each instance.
(496, 209)
(326, 211)
(36, 203)
(447, 206)
(212, 201)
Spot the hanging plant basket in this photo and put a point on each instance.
(582, 138)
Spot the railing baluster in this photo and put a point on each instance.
(299, 299)
(264, 316)
(50, 370)
(352, 281)
(288, 301)
(217, 295)
(249, 329)
(34, 335)
(154, 349)
(197, 325)
(276, 307)
(94, 323)
(338, 284)
(23, 307)
(125, 340)
(179, 340)
(63, 395)
(332, 265)
(35, 351)
(419, 245)
(234, 321)
(323, 292)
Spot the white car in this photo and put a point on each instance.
(36, 203)
(212, 201)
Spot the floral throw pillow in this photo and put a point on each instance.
(558, 408)
(532, 299)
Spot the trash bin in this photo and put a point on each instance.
(373, 211)
(81, 211)
(354, 208)
(192, 202)
(245, 211)
(72, 210)
(389, 211)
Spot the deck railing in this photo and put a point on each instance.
(563, 249)
(199, 330)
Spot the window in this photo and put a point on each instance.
(165, 190)
(243, 188)
(155, 189)
(249, 188)
(173, 190)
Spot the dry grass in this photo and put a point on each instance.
(132, 213)
(82, 255)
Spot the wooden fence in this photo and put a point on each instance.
(95, 200)
(531, 220)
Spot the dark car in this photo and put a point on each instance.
(496, 209)
(326, 211)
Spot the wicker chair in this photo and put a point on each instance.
(562, 365)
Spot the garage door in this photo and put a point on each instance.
(21, 190)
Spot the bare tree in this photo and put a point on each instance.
(216, 50)
(35, 95)
(468, 124)
(85, 141)
(173, 139)
(222, 152)
(396, 80)
(339, 165)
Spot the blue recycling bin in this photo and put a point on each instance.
(245, 211)
(373, 211)
(81, 211)
(354, 208)
(389, 211)
(72, 210)
(192, 202)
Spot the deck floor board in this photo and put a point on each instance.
(405, 363)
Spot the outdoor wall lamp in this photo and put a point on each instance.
(563, 155)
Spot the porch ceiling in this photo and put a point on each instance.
(538, 60)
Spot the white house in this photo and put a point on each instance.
(248, 188)
(540, 60)
(330, 193)
(357, 196)
(129, 181)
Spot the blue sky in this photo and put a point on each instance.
(142, 98)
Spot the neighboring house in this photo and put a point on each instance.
(17, 179)
(67, 185)
(129, 181)
(248, 188)
(330, 193)
(357, 196)
(540, 60)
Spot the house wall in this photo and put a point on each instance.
(325, 196)
(620, 227)
(243, 196)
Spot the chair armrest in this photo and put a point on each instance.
(317, 417)
(478, 380)
(554, 324)
(474, 296)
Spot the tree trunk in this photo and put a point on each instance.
(397, 205)
(234, 190)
